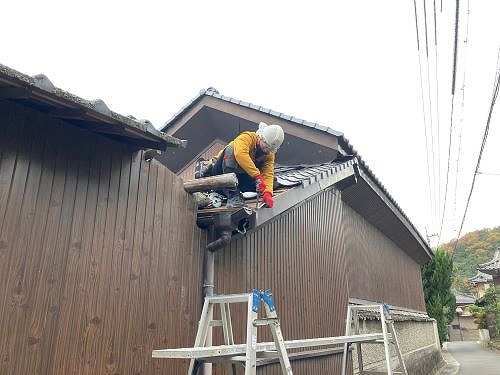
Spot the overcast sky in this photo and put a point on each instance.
(351, 65)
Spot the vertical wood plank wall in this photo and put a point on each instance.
(100, 258)
(300, 257)
(378, 270)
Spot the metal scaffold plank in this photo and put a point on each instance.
(230, 350)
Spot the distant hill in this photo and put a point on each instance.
(473, 248)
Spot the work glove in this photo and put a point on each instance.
(268, 199)
(260, 185)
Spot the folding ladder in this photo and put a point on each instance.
(388, 337)
(234, 352)
(253, 301)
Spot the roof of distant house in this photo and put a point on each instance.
(493, 266)
(481, 277)
(464, 299)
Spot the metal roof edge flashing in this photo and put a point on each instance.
(302, 193)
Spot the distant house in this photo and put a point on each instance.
(480, 283)
(334, 236)
(488, 274)
(463, 328)
(492, 268)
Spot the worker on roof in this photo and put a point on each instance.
(251, 156)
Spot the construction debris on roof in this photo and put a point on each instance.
(286, 178)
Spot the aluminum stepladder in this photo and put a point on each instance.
(253, 301)
(388, 333)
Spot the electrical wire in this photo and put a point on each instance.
(455, 50)
(437, 204)
(489, 173)
(423, 111)
(483, 143)
(437, 107)
(462, 105)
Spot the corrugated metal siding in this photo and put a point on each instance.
(95, 245)
(300, 257)
(377, 269)
(188, 172)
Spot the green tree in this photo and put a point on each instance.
(492, 306)
(437, 279)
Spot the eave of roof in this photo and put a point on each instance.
(343, 141)
(93, 114)
(481, 277)
(464, 299)
(215, 94)
(492, 267)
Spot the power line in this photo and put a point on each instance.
(438, 204)
(423, 112)
(489, 173)
(466, 43)
(485, 136)
(455, 49)
(437, 108)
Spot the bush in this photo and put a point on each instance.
(492, 307)
(437, 278)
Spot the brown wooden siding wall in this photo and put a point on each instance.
(100, 259)
(300, 257)
(377, 269)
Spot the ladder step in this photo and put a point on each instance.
(215, 323)
(265, 321)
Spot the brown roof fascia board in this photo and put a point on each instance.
(39, 90)
(249, 114)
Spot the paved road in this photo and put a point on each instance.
(474, 359)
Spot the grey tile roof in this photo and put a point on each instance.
(296, 175)
(397, 315)
(40, 89)
(343, 141)
(464, 299)
(481, 277)
(492, 265)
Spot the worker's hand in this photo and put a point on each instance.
(260, 185)
(268, 199)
